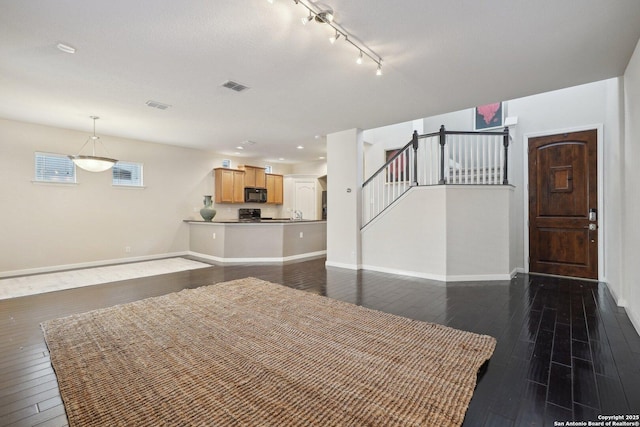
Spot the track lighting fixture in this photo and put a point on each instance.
(324, 14)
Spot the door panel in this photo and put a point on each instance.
(562, 191)
(305, 199)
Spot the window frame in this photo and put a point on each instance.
(119, 182)
(45, 177)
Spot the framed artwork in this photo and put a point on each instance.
(398, 171)
(488, 116)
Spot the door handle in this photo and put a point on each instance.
(591, 227)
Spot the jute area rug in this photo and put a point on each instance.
(254, 353)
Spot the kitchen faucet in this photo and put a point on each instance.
(296, 215)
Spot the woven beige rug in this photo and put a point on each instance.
(253, 353)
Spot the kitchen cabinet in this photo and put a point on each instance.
(254, 176)
(275, 185)
(229, 185)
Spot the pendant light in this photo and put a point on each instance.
(93, 163)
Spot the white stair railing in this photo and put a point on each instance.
(444, 157)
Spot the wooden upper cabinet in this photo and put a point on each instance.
(254, 176)
(229, 185)
(274, 188)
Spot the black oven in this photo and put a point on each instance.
(248, 215)
(255, 195)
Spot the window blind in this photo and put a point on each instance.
(54, 168)
(128, 174)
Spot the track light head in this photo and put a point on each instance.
(334, 37)
(359, 60)
(307, 18)
(379, 70)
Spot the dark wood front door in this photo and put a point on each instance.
(563, 204)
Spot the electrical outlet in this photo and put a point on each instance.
(301, 234)
(127, 249)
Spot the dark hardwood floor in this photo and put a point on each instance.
(565, 351)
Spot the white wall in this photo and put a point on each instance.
(378, 140)
(51, 225)
(478, 232)
(410, 237)
(317, 168)
(631, 194)
(457, 120)
(446, 233)
(344, 180)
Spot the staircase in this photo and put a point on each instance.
(438, 158)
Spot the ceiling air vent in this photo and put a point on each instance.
(158, 105)
(238, 87)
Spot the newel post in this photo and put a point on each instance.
(443, 140)
(414, 143)
(505, 143)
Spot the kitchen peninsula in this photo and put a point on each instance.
(233, 241)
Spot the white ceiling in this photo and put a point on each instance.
(438, 56)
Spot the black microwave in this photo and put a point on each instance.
(255, 195)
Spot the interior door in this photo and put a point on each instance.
(305, 199)
(563, 204)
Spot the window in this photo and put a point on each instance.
(54, 168)
(268, 169)
(127, 174)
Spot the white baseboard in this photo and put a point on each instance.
(635, 320)
(421, 275)
(480, 277)
(90, 264)
(262, 260)
(620, 302)
(342, 265)
(442, 278)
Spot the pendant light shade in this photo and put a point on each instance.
(93, 163)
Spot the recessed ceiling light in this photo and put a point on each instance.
(281, 158)
(299, 147)
(321, 158)
(239, 147)
(66, 48)
(317, 137)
